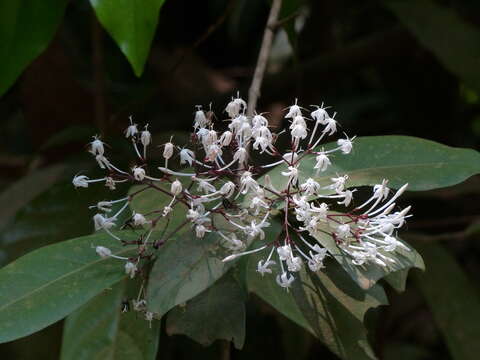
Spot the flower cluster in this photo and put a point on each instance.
(214, 184)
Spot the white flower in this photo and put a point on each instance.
(139, 220)
(146, 137)
(293, 111)
(235, 106)
(227, 189)
(103, 206)
(253, 230)
(213, 151)
(322, 162)
(258, 202)
(80, 181)
(176, 187)
(391, 244)
(262, 267)
(138, 173)
(187, 156)
(103, 251)
(259, 120)
(200, 120)
(200, 231)
(292, 174)
(339, 183)
(247, 183)
(294, 263)
(205, 186)
(348, 196)
(130, 269)
(310, 187)
(110, 183)
(380, 191)
(102, 222)
(343, 231)
(226, 138)
(96, 146)
(284, 252)
(168, 150)
(345, 145)
(331, 126)
(131, 130)
(285, 280)
(320, 115)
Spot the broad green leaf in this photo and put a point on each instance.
(453, 300)
(216, 313)
(26, 189)
(432, 24)
(423, 164)
(132, 24)
(26, 28)
(368, 274)
(47, 284)
(99, 330)
(328, 304)
(185, 266)
(59, 213)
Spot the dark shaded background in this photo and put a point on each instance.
(354, 55)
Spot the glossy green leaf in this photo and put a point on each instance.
(26, 29)
(432, 24)
(328, 304)
(99, 330)
(423, 164)
(132, 24)
(368, 274)
(47, 284)
(454, 301)
(185, 266)
(216, 313)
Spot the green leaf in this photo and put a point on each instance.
(368, 274)
(431, 24)
(289, 8)
(26, 28)
(453, 300)
(99, 330)
(59, 213)
(26, 189)
(185, 266)
(132, 24)
(423, 164)
(216, 313)
(47, 284)
(328, 304)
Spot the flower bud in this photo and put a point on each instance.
(138, 173)
(168, 150)
(176, 187)
(103, 251)
(130, 269)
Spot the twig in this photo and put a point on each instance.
(286, 19)
(254, 91)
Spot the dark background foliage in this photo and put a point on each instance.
(387, 67)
